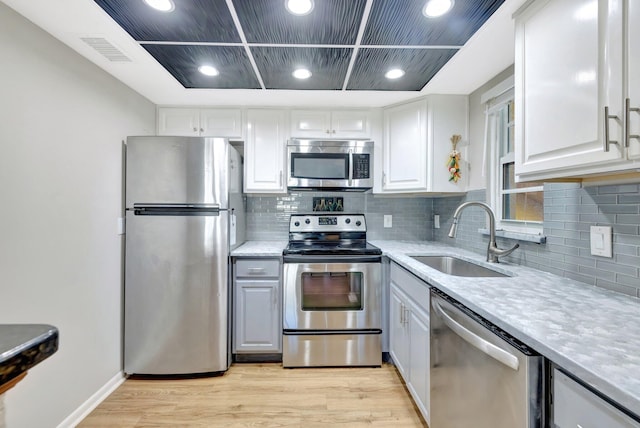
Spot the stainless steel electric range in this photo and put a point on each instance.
(332, 293)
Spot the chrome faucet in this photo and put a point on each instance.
(493, 252)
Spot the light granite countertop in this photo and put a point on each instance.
(590, 332)
(260, 249)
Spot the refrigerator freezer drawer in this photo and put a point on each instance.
(176, 298)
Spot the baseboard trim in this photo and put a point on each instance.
(87, 407)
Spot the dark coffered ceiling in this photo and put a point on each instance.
(256, 44)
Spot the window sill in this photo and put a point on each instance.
(527, 237)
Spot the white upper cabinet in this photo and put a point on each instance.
(417, 143)
(264, 151)
(571, 86)
(331, 124)
(179, 121)
(207, 122)
(633, 76)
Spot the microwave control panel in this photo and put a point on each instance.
(360, 166)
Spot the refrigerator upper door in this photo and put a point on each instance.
(189, 170)
(176, 295)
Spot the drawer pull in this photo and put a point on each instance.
(256, 271)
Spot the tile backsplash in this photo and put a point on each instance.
(569, 211)
(268, 216)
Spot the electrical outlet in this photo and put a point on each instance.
(388, 220)
(436, 221)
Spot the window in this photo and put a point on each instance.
(518, 206)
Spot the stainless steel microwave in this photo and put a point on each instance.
(330, 164)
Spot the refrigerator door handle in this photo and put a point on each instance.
(176, 209)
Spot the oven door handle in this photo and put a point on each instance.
(331, 259)
(350, 167)
(476, 341)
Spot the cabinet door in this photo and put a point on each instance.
(179, 121)
(350, 124)
(405, 148)
(310, 123)
(566, 72)
(633, 75)
(264, 152)
(419, 357)
(257, 326)
(221, 123)
(575, 406)
(398, 332)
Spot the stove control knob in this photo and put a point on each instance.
(307, 221)
(348, 220)
(358, 223)
(296, 224)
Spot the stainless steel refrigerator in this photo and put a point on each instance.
(184, 213)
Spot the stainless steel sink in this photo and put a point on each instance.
(457, 267)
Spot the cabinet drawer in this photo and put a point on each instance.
(415, 288)
(575, 406)
(261, 268)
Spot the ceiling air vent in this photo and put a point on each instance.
(106, 49)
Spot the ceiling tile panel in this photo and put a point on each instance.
(191, 21)
(182, 61)
(401, 22)
(328, 66)
(420, 65)
(330, 22)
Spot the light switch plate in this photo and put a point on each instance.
(388, 220)
(601, 241)
(436, 221)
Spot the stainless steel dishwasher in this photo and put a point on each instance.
(480, 376)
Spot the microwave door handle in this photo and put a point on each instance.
(350, 167)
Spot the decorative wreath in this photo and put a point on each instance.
(453, 163)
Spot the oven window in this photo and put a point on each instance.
(320, 165)
(331, 291)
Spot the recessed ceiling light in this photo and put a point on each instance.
(395, 73)
(161, 5)
(208, 70)
(436, 8)
(301, 73)
(299, 7)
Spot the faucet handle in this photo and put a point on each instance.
(501, 253)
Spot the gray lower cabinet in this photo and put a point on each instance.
(409, 333)
(257, 306)
(576, 406)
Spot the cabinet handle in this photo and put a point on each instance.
(281, 178)
(384, 178)
(195, 129)
(607, 116)
(333, 131)
(256, 271)
(327, 131)
(627, 122)
(401, 313)
(406, 316)
(201, 130)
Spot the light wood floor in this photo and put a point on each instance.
(263, 395)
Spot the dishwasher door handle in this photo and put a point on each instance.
(476, 341)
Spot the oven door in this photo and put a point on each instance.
(332, 296)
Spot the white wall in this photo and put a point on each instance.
(476, 130)
(62, 121)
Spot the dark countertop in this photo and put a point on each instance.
(22, 346)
